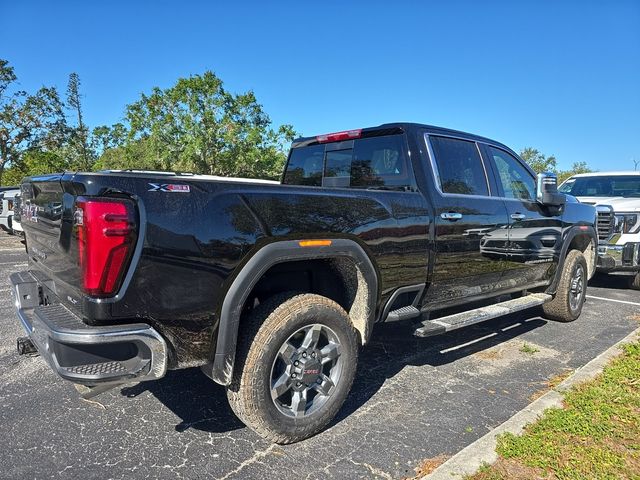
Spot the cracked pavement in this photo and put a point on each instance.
(413, 399)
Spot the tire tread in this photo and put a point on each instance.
(260, 328)
(558, 308)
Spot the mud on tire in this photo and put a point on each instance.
(295, 365)
(567, 303)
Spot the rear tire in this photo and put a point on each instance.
(567, 303)
(294, 366)
(635, 282)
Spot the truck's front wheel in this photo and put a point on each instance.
(567, 303)
(294, 367)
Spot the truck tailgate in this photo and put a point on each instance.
(47, 218)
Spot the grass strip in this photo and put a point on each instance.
(595, 436)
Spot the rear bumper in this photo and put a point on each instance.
(82, 353)
(619, 257)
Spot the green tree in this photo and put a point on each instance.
(83, 157)
(541, 163)
(35, 162)
(136, 154)
(27, 121)
(196, 125)
(576, 168)
(538, 161)
(104, 137)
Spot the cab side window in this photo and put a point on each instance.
(515, 179)
(459, 165)
(377, 162)
(305, 166)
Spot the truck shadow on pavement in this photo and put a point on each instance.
(202, 404)
(621, 282)
(393, 347)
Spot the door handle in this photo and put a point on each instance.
(453, 216)
(518, 216)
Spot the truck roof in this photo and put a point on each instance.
(602, 174)
(400, 127)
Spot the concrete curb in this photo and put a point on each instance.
(468, 460)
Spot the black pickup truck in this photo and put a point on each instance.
(272, 287)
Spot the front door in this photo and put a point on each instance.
(534, 231)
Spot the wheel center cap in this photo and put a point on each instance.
(310, 370)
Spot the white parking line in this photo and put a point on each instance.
(457, 347)
(613, 300)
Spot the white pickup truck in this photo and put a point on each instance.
(616, 196)
(6, 209)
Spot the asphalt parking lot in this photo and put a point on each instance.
(413, 400)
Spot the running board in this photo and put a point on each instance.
(464, 319)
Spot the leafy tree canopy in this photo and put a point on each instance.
(541, 163)
(27, 121)
(197, 126)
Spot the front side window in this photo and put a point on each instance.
(459, 166)
(515, 179)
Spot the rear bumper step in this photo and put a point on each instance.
(464, 319)
(82, 353)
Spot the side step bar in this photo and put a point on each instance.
(464, 319)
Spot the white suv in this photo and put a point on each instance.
(617, 199)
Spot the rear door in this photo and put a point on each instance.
(466, 212)
(534, 231)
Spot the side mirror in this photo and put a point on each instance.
(547, 190)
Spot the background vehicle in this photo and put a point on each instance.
(6, 214)
(16, 226)
(617, 197)
(272, 288)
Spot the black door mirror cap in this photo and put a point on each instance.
(547, 190)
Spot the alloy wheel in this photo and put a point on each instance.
(306, 370)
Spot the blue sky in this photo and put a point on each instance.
(560, 76)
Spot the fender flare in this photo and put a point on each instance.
(221, 368)
(573, 232)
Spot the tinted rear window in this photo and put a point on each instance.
(365, 163)
(305, 166)
(459, 166)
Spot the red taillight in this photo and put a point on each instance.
(106, 236)
(339, 136)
